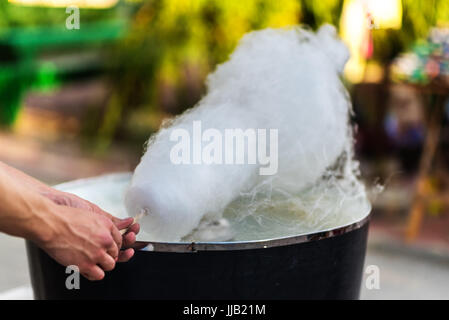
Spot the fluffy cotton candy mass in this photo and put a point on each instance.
(283, 81)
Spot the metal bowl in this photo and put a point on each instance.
(322, 265)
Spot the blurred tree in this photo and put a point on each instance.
(418, 17)
(172, 45)
(160, 66)
(12, 15)
(316, 13)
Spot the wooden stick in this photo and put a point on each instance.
(136, 219)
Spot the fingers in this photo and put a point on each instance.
(135, 228)
(93, 273)
(107, 263)
(114, 220)
(125, 255)
(129, 239)
(94, 241)
(104, 262)
(113, 250)
(117, 236)
(124, 223)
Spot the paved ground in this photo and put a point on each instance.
(402, 275)
(13, 267)
(406, 276)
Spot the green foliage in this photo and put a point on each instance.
(18, 16)
(169, 35)
(171, 45)
(418, 17)
(315, 13)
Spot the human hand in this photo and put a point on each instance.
(70, 200)
(71, 230)
(77, 237)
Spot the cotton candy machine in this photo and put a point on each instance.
(325, 264)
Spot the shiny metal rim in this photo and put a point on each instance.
(245, 245)
(219, 246)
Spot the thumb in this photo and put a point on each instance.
(124, 223)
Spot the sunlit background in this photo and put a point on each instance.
(81, 102)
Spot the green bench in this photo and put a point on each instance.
(22, 66)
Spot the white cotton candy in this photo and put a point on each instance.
(284, 79)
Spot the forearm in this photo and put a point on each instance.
(23, 211)
(70, 229)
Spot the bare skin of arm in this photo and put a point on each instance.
(71, 230)
(71, 200)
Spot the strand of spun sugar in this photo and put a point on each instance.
(136, 219)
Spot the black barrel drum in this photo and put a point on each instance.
(324, 265)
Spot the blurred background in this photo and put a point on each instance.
(81, 102)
